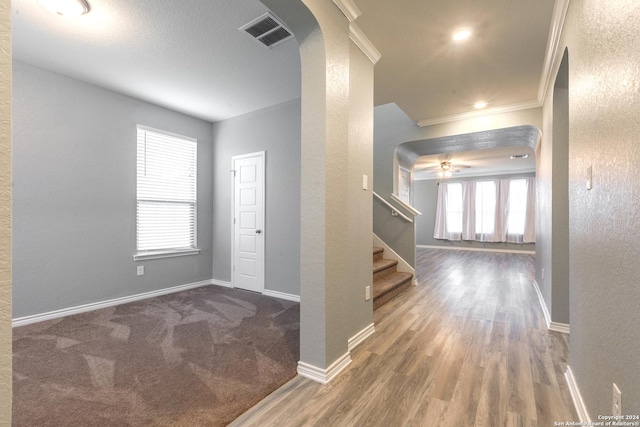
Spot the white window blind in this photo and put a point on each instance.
(166, 192)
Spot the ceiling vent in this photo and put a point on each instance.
(268, 30)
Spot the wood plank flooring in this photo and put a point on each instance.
(468, 346)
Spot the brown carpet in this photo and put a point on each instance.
(195, 358)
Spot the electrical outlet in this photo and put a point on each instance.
(140, 270)
(617, 401)
(367, 293)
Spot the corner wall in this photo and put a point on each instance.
(5, 213)
(604, 82)
(74, 199)
(275, 130)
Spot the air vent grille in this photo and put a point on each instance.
(268, 30)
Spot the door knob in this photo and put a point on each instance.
(258, 231)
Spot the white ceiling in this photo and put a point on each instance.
(189, 55)
(430, 77)
(494, 161)
(186, 55)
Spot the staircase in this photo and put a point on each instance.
(387, 280)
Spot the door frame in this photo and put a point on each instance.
(263, 156)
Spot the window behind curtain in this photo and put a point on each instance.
(166, 191)
(454, 208)
(485, 199)
(517, 206)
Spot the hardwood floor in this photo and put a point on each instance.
(468, 346)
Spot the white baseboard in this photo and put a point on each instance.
(323, 376)
(221, 283)
(578, 403)
(463, 248)
(403, 266)
(281, 295)
(543, 304)
(552, 326)
(27, 320)
(559, 327)
(358, 338)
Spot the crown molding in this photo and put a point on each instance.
(551, 59)
(362, 41)
(348, 8)
(481, 113)
(551, 63)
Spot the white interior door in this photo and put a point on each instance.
(248, 221)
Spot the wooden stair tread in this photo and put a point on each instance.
(390, 282)
(383, 264)
(387, 280)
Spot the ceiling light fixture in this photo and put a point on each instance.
(445, 170)
(461, 35)
(480, 105)
(66, 8)
(519, 156)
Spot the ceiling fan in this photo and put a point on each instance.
(445, 169)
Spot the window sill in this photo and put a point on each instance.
(141, 256)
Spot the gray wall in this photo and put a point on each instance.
(604, 106)
(74, 200)
(392, 128)
(426, 198)
(275, 130)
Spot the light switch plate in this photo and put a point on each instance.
(365, 182)
(589, 178)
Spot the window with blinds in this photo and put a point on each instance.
(166, 192)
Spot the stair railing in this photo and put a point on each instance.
(394, 210)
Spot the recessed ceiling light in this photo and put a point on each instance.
(519, 156)
(461, 35)
(480, 105)
(66, 8)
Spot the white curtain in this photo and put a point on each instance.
(491, 211)
(443, 229)
(521, 207)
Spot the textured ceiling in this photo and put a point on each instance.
(186, 55)
(429, 76)
(189, 55)
(494, 161)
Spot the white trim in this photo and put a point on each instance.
(551, 59)
(348, 9)
(403, 266)
(563, 328)
(221, 283)
(394, 210)
(358, 338)
(142, 256)
(164, 132)
(27, 320)
(281, 295)
(578, 403)
(461, 248)
(324, 376)
(358, 37)
(262, 154)
(543, 304)
(481, 113)
(405, 205)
